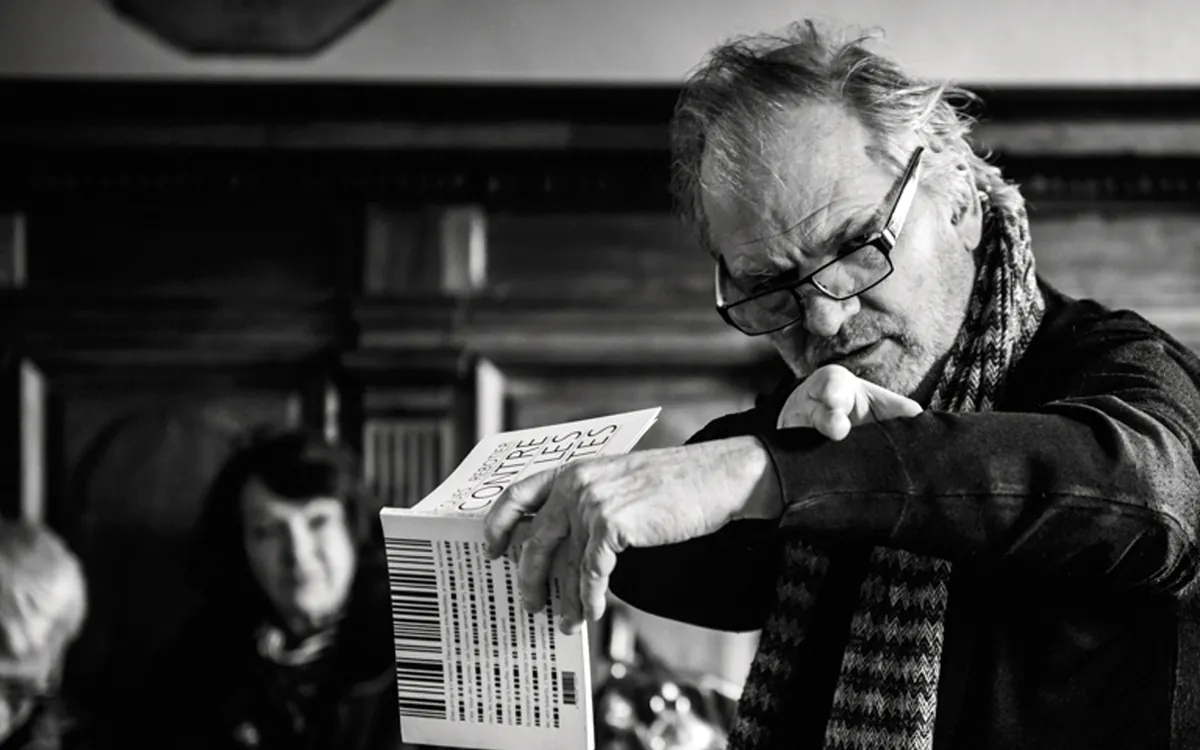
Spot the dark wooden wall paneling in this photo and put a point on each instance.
(213, 254)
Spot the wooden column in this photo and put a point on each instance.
(462, 246)
(331, 413)
(13, 261)
(24, 438)
(489, 399)
(32, 422)
(412, 411)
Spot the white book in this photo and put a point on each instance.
(473, 668)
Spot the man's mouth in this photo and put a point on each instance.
(853, 354)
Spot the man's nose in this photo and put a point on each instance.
(825, 316)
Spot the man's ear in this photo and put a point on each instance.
(967, 215)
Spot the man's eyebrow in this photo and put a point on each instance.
(853, 227)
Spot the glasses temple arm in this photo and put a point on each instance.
(908, 191)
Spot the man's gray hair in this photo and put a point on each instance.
(735, 104)
(43, 593)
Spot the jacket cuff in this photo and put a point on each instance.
(854, 490)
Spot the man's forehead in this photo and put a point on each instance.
(815, 164)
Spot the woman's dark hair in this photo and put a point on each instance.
(295, 464)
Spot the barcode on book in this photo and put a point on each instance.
(417, 628)
(568, 688)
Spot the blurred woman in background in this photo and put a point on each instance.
(294, 648)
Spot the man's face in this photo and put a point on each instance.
(818, 188)
(301, 553)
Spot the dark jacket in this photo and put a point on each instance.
(1070, 515)
(215, 692)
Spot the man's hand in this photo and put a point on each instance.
(832, 399)
(589, 511)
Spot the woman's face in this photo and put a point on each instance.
(301, 553)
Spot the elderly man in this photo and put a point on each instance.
(990, 537)
(43, 603)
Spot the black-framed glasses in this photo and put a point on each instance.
(854, 271)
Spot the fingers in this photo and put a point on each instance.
(566, 573)
(547, 531)
(832, 423)
(517, 538)
(884, 404)
(579, 572)
(522, 497)
(573, 553)
(829, 388)
(831, 401)
(599, 560)
(833, 387)
(557, 546)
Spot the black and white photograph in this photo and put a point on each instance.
(569, 375)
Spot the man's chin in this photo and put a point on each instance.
(880, 375)
(884, 367)
(888, 374)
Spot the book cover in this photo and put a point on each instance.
(474, 669)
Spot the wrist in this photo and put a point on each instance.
(764, 501)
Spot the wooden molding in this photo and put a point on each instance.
(276, 102)
(499, 181)
(172, 329)
(513, 147)
(561, 332)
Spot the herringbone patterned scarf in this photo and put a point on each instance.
(886, 697)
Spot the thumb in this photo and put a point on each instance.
(522, 497)
(884, 404)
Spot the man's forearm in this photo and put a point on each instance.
(1087, 494)
(764, 501)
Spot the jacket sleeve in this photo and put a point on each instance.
(723, 581)
(1096, 483)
